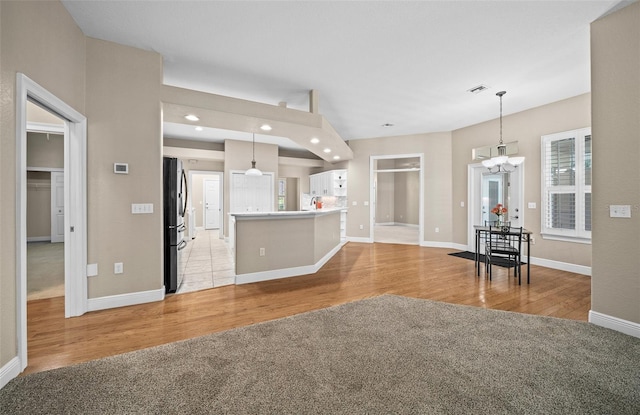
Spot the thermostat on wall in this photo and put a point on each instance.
(121, 168)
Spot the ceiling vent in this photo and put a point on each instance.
(478, 89)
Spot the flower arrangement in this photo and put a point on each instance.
(499, 210)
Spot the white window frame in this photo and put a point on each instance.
(580, 189)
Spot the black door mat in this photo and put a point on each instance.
(499, 262)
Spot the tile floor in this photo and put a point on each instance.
(207, 263)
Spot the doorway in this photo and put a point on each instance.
(75, 229)
(45, 204)
(397, 199)
(205, 205)
(485, 190)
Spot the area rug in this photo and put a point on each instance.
(387, 354)
(472, 256)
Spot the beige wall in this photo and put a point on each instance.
(385, 197)
(437, 180)
(40, 40)
(526, 127)
(124, 125)
(45, 150)
(407, 195)
(289, 242)
(615, 85)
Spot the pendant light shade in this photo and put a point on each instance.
(253, 171)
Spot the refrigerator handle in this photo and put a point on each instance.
(186, 193)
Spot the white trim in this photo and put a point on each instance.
(75, 134)
(45, 169)
(614, 323)
(9, 371)
(123, 300)
(359, 239)
(440, 244)
(562, 266)
(287, 272)
(38, 238)
(474, 186)
(41, 127)
(372, 191)
(558, 237)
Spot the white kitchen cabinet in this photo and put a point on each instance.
(329, 183)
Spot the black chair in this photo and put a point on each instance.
(504, 243)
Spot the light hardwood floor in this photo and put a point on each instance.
(358, 271)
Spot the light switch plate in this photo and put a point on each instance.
(619, 211)
(138, 208)
(531, 205)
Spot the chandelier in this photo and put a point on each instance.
(502, 162)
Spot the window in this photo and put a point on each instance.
(566, 187)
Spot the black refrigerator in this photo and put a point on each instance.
(174, 207)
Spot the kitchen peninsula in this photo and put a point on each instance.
(271, 245)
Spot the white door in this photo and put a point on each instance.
(57, 206)
(212, 203)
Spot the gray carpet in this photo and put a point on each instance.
(388, 354)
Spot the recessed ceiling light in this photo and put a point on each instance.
(336, 157)
(192, 117)
(198, 128)
(387, 125)
(265, 127)
(314, 140)
(327, 150)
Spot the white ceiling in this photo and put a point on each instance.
(407, 63)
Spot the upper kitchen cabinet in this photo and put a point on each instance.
(329, 183)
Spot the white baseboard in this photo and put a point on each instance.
(614, 323)
(38, 239)
(286, 272)
(562, 266)
(363, 240)
(123, 300)
(9, 371)
(437, 244)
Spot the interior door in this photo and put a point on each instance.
(211, 203)
(57, 206)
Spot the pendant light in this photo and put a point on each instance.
(502, 162)
(253, 171)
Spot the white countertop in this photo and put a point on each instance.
(286, 213)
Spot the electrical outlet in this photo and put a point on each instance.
(118, 268)
(262, 252)
(361, 226)
(437, 230)
(533, 240)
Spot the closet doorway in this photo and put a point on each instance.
(45, 204)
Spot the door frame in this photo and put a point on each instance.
(75, 210)
(372, 191)
(474, 193)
